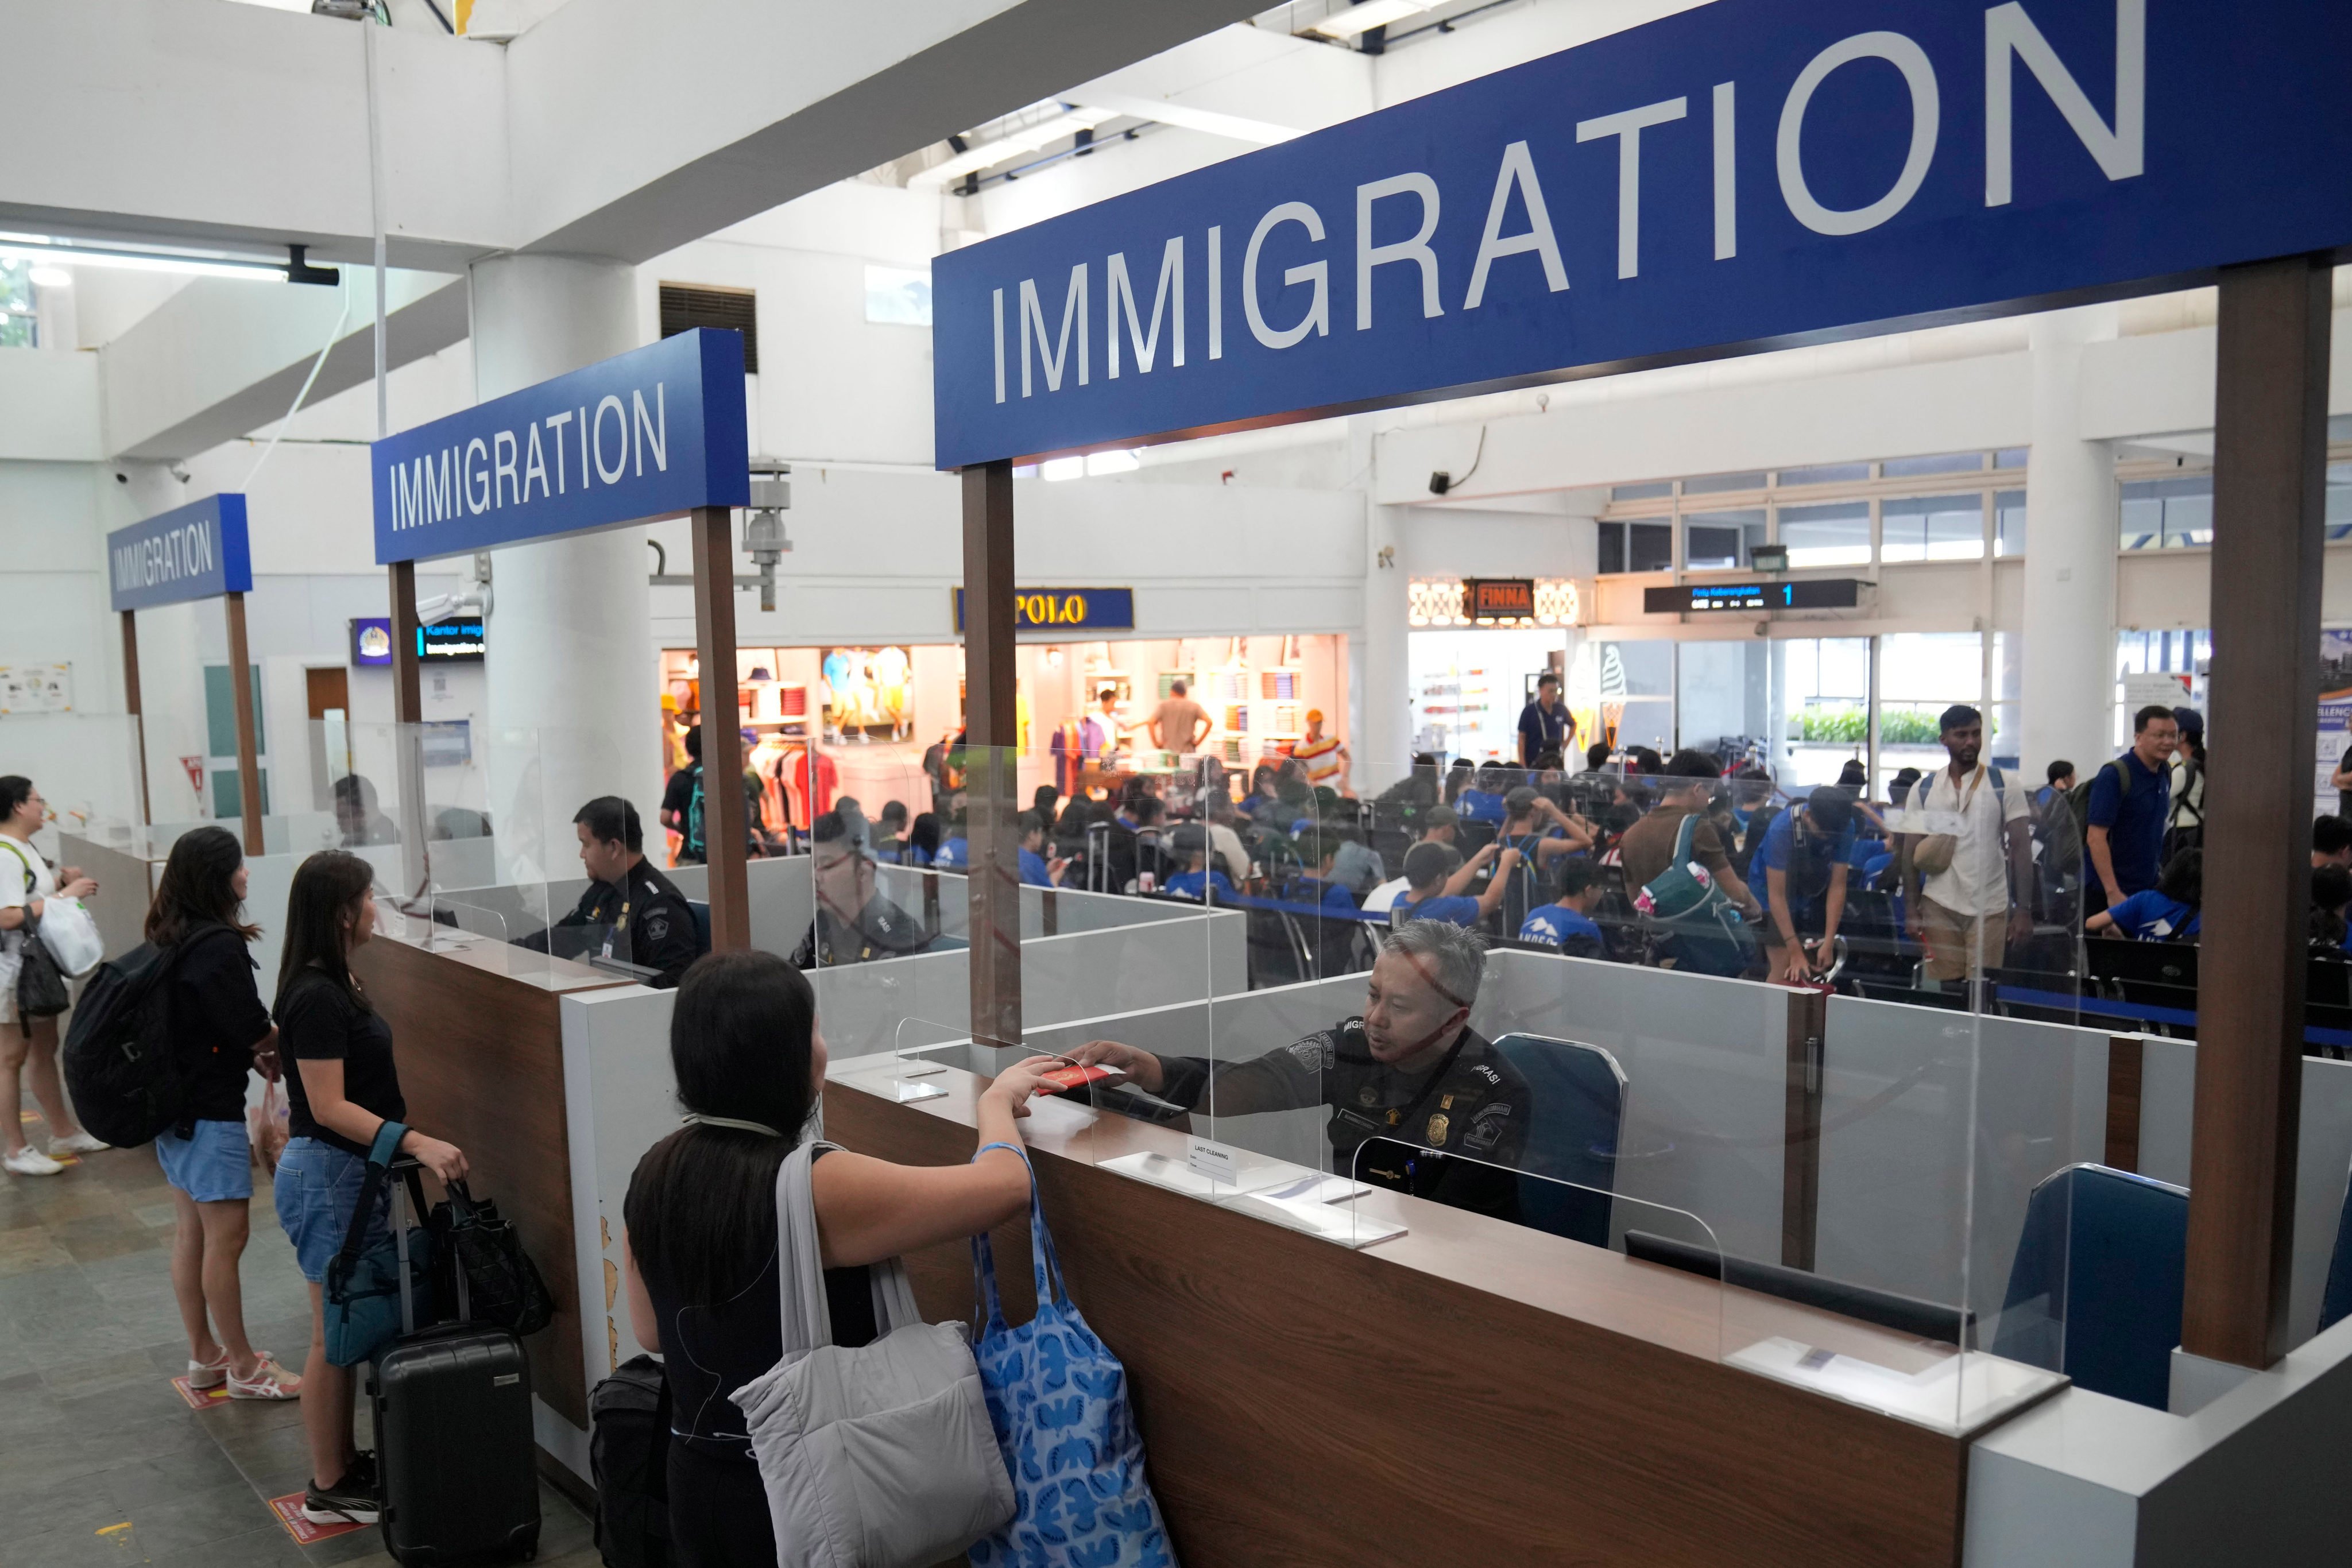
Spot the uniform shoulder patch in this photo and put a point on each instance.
(1315, 1053)
(657, 927)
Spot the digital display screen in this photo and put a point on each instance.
(448, 642)
(372, 641)
(1803, 593)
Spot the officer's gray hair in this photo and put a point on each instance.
(1451, 958)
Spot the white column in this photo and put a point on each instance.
(2067, 693)
(1382, 748)
(568, 663)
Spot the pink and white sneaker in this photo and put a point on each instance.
(269, 1381)
(203, 1374)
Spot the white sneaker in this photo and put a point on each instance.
(30, 1161)
(79, 1144)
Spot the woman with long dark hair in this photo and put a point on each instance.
(222, 1033)
(700, 1242)
(344, 1088)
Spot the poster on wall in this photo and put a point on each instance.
(2335, 714)
(37, 688)
(869, 690)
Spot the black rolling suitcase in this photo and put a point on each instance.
(453, 1442)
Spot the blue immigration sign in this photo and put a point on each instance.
(196, 551)
(1747, 174)
(649, 433)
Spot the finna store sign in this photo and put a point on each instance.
(651, 432)
(198, 551)
(1746, 175)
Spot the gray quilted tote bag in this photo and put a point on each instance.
(880, 1457)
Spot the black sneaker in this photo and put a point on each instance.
(346, 1503)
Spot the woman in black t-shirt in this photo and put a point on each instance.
(700, 1246)
(222, 1032)
(343, 1088)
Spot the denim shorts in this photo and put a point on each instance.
(318, 1187)
(213, 1165)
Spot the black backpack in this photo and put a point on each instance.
(128, 1081)
(628, 1455)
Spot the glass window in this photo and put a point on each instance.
(1834, 535)
(1932, 527)
(16, 305)
(1649, 546)
(1949, 463)
(2010, 457)
(2008, 523)
(897, 296)
(1833, 474)
(2339, 500)
(1717, 484)
(1720, 542)
(1820, 709)
(1921, 673)
(2167, 514)
(1641, 492)
(1612, 550)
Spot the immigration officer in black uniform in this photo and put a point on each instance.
(631, 911)
(1407, 1077)
(855, 923)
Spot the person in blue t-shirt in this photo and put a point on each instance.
(955, 849)
(1036, 871)
(2131, 801)
(1804, 858)
(1568, 924)
(1483, 801)
(2171, 911)
(1188, 846)
(1437, 881)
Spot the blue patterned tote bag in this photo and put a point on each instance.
(1058, 1398)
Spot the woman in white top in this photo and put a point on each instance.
(27, 883)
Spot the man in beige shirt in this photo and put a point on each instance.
(1181, 724)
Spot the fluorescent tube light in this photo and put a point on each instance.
(1012, 145)
(40, 249)
(1354, 19)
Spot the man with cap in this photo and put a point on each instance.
(1803, 856)
(1325, 759)
(1408, 1082)
(1966, 844)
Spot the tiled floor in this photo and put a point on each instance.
(100, 1460)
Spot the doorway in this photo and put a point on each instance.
(327, 698)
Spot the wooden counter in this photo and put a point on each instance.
(1472, 1392)
(480, 1048)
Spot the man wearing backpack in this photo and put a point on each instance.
(2126, 807)
(684, 805)
(1966, 843)
(1803, 858)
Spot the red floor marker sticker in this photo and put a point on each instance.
(289, 1510)
(201, 1398)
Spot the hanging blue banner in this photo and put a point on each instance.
(1749, 174)
(649, 433)
(196, 551)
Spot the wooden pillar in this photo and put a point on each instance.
(723, 824)
(130, 704)
(407, 718)
(2124, 1060)
(407, 681)
(248, 757)
(2270, 446)
(991, 780)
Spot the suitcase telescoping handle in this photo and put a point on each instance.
(409, 1191)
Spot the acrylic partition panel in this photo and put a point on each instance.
(87, 767)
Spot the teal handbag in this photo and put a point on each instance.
(1694, 920)
(1058, 1398)
(365, 1308)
